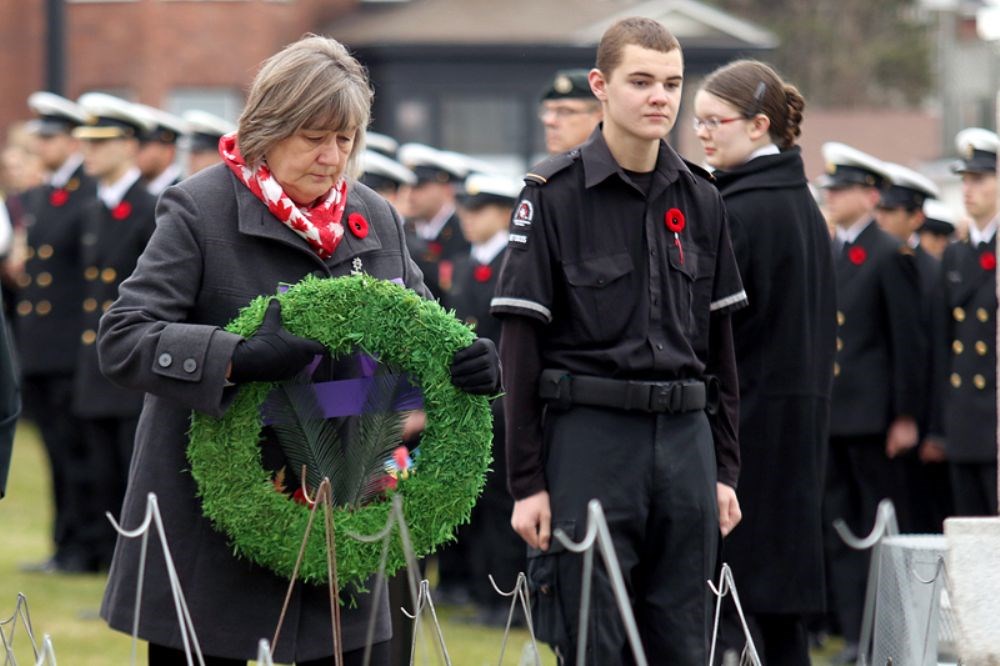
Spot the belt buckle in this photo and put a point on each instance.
(665, 397)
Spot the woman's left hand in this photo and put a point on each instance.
(476, 369)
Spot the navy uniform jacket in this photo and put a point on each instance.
(590, 258)
(436, 258)
(49, 319)
(878, 371)
(10, 403)
(472, 289)
(934, 325)
(970, 412)
(110, 245)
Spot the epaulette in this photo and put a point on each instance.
(541, 172)
(700, 171)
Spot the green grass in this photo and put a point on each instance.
(65, 607)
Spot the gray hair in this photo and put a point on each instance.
(312, 83)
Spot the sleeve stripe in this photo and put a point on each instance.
(501, 301)
(740, 297)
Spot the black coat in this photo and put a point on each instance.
(49, 319)
(110, 244)
(970, 411)
(879, 373)
(784, 353)
(436, 258)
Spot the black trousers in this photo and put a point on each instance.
(47, 401)
(781, 639)
(859, 476)
(109, 443)
(975, 488)
(160, 655)
(654, 476)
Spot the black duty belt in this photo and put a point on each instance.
(562, 390)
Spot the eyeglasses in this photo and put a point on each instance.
(712, 124)
(562, 112)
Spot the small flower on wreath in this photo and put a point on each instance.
(358, 225)
(122, 210)
(674, 219)
(59, 197)
(988, 260)
(482, 273)
(857, 255)
(398, 466)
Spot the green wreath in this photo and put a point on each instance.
(399, 327)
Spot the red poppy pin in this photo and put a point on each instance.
(358, 225)
(122, 210)
(674, 219)
(59, 197)
(988, 261)
(857, 255)
(434, 249)
(482, 273)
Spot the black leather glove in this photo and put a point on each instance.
(272, 353)
(476, 369)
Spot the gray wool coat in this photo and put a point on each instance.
(216, 246)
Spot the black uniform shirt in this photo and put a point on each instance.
(590, 257)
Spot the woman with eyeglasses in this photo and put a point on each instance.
(748, 120)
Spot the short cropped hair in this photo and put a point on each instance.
(644, 32)
(313, 83)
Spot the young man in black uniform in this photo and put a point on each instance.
(877, 373)
(434, 237)
(938, 229)
(116, 227)
(900, 213)
(615, 296)
(385, 175)
(48, 321)
(204, 131)
(969, 268)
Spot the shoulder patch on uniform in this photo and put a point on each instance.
(541, 172)
(699, 171)
(524, 213)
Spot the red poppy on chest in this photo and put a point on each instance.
(857, 255)
(122, 210)
(59, 197)
(988, 261)
(482, 273)
(358, 225)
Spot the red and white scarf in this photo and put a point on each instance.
(319, 224)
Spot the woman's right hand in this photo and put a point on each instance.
(272, 353)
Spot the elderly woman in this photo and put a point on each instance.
(269, 214)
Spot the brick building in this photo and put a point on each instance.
(176, 54)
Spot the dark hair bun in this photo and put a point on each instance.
(795, 104)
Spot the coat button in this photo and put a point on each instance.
(982, 315)
(958, 314)
(23, 280)
(88, 337)
(979, 381)
(957, 347)
(42, 308)
(836, 369)
(956, 380)
(29, 253)
(840, 344)
(106, 305)
(44, 279)
(165, 360)
(981, 348)
(24, 308)
(91, 273)
(840, 318)
(108, 275)
(190, 365)
(89, 305)
(45, 251)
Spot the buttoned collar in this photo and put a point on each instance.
(486, 252)
(113, 194)
(985, 235)
(164, 180)
(61, 176)
(599, 164)
(851, 233)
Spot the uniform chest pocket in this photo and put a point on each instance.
(599, 293)
(682, 287)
